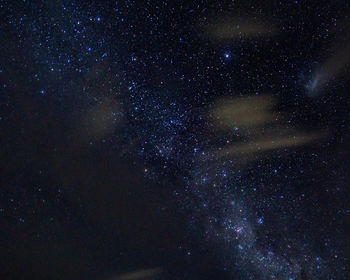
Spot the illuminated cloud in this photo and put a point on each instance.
(232, 28)
(264, 144)
(139, 275)
(259, 128)
(243, 113)
(98, 121)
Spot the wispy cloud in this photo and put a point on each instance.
(259, 128)
(243, 113)
(330, 69)
(98, 121)
(235, 27)
(139, 275)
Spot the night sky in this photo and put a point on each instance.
(175, 140)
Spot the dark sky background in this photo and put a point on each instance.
(175, 139)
